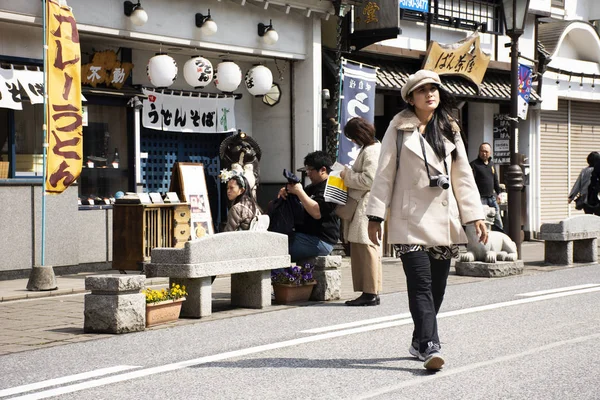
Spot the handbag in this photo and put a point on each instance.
(347, 210)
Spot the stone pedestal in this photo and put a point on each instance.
(115, 304)
(328, 275)
(489, 270)
(42, 277)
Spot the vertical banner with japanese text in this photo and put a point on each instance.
(501, 153)
(64, 120)
(525, 78)
(358, 100)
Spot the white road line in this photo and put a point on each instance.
(64, 379)
(272, 346)
(558, 290)
(471, 367)
(357, 323)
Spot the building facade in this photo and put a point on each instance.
(114, 127)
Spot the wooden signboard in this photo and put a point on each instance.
(464, 58)
(188, 181)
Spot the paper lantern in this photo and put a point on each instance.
(259, 80)
(198, 72)
(162, 70)
(228, 76)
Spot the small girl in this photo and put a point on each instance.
(243, 208)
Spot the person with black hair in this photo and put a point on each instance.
(486, 179)
(579, 192)
(425, 179)
(243, 208)
(319, 230)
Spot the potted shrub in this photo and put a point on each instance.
(293, 284)
(164, 305)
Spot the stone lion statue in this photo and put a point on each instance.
(499, 246)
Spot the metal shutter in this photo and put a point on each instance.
(554, 161)
(585, 138)
(555, 171)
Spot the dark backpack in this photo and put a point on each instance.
(285, 214)
(594, 188)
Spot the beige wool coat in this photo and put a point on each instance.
(419, 214)
(359, 180)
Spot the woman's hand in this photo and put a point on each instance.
(374, 230)
(481, 231)
(343, 173)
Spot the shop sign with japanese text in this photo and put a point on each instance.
(501, 152)
(464, 58)
(179, 113)
(105, 69)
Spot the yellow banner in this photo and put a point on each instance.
(464, 58)
(63, 81)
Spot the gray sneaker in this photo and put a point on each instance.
(415, 353)
(433, 357)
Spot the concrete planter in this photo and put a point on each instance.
(164, 311)
(285, 294)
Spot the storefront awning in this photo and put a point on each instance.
(495, 85)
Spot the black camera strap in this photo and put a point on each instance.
(425, 156)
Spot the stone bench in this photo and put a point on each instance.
(116, 304)
(573, 239)
(248, 256)
(328, 275)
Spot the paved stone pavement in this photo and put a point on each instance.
(32, 320)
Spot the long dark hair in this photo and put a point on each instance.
(245, 196)
(440, 124)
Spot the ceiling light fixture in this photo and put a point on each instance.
(135, 12)
(207, 25)
(268, 33)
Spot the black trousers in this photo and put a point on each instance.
(426, 280)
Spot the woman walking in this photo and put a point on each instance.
(364, 255)
(425, 179)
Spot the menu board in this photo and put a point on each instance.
(188, 181)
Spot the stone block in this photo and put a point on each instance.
(585, 251)
(329, 284)
(115, 284)
(489, 270)
(251, 289)
(558, 252)
(323, 262)
(198, 301)
(106, 313)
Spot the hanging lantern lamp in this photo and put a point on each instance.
(198, 72)
(162, 70)
(228, 76)
(259, 80)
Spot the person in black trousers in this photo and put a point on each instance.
(486, 178)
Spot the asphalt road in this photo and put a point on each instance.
(526, 337)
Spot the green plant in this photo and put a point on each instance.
(176, 292)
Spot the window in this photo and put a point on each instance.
(105, 152)
(462, 14)
(28, 140)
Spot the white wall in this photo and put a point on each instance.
(21, 41)
(176, 19)
(481, 126)
(307, 99)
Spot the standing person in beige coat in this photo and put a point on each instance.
(430, 191)
(364, 255)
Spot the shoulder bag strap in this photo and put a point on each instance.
(399, 144)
